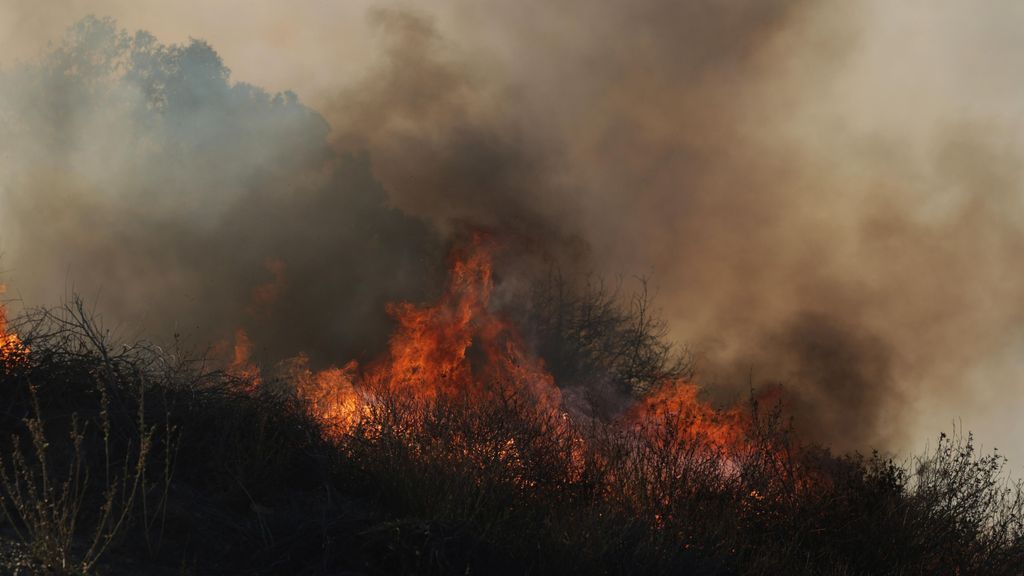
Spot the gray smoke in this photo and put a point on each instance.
(814, 203)
(184, 202)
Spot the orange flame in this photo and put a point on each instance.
(262, 299)
(330, 393)
(459, 346)
(241, 365)
(456, 347)
(12, 350)
(676, 404)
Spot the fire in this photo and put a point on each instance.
(241, 365)
(262, 298)
(331, 393)
(427, 354)
(460, 348)
(457, 386)
(12, 350)
(457, 347)
(676, 404)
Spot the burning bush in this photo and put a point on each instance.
(452, 452)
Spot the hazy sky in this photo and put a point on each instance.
(799, 179)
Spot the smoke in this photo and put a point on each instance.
(823, 194)
(814, 206)
(197, 205)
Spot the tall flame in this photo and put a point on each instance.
(460, 346)
(456, 347)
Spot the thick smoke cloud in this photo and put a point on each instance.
(807, 217)
(815, 206)
(824, 194)
(196, 204)
(447, 149)
(651, 149)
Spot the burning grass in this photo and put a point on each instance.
(452, 453)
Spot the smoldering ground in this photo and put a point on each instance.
(801, 220)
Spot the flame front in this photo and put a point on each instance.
(459, 346)
(460, 353)
(460, 349)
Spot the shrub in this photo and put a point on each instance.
(128, 458)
